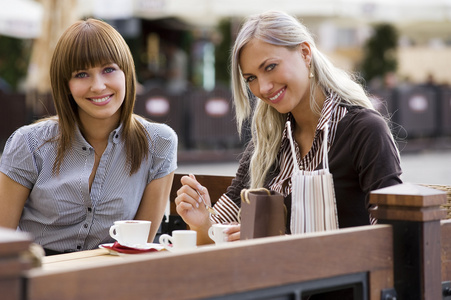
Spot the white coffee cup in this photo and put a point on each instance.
(181, 240)
(216, 233)
(131, 233)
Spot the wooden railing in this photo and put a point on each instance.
(237, 268)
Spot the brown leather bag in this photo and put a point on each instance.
(262, 214)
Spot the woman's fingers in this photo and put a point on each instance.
(192, 182)
(189, 204)
(233, 233)
(188, 193)
(186, 199)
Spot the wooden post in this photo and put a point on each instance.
(414, 212)
(12, 244)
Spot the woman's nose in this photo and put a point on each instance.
(97, 83)
(265, 85)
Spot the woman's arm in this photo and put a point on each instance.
(12, 201)
(190, 207)
(154, 201)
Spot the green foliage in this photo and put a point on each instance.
(14, 59)
(222, 52)
(380, 52)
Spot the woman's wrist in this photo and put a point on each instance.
(202, 232)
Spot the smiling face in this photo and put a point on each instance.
(99, 92)
(277, 75)
(92, 47)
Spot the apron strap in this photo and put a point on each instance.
(324, 147)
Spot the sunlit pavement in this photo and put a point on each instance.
(422, 162)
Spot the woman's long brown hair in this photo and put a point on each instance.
(87, 44)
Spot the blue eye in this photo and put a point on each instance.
(81, 75)
(270, 67)
(249, 79)
(109, 70)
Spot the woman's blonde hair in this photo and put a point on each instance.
(83, 45)
(281, 29)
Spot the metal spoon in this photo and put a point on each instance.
(208, 207)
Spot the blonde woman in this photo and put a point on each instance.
(67, 178)
(275, 57)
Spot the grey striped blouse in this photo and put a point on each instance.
(61, 213)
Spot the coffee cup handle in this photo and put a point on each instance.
(114, 232)
(164, 241)
(211, 233)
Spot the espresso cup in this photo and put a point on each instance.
(131, 233)
(179, 241)
(216, 233)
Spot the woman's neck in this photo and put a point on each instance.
(306, 122)
(97, 131)
(305, 117)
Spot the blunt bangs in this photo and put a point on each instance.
(93, 45)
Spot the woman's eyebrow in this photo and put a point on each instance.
(259, 67)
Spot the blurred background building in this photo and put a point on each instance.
(401, 49)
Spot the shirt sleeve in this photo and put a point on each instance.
(228, 205)
(17, 161)
(163, 147)
(376, 156)
(227, 211)
(242, 179)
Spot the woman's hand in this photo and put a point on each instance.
(189, 204)
(233, 232)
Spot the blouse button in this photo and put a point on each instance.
(117, 135)
(83, 148)
(85, 226)
(89, 209)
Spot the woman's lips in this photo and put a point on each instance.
(278, 96)
(100, 100)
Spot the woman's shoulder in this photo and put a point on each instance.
(363, 124)
(361, 116)
(42, 129)
(32, 136)
(157, 130)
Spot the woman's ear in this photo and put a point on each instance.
(306, 52)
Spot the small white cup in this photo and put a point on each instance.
(181, 240)
(131, 233)
(216, 233)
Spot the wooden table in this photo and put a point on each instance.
(78, 259)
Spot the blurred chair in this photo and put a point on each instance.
(445, 109)
(212, 119)
(417, 111)
(156, 105)
(12, 115)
